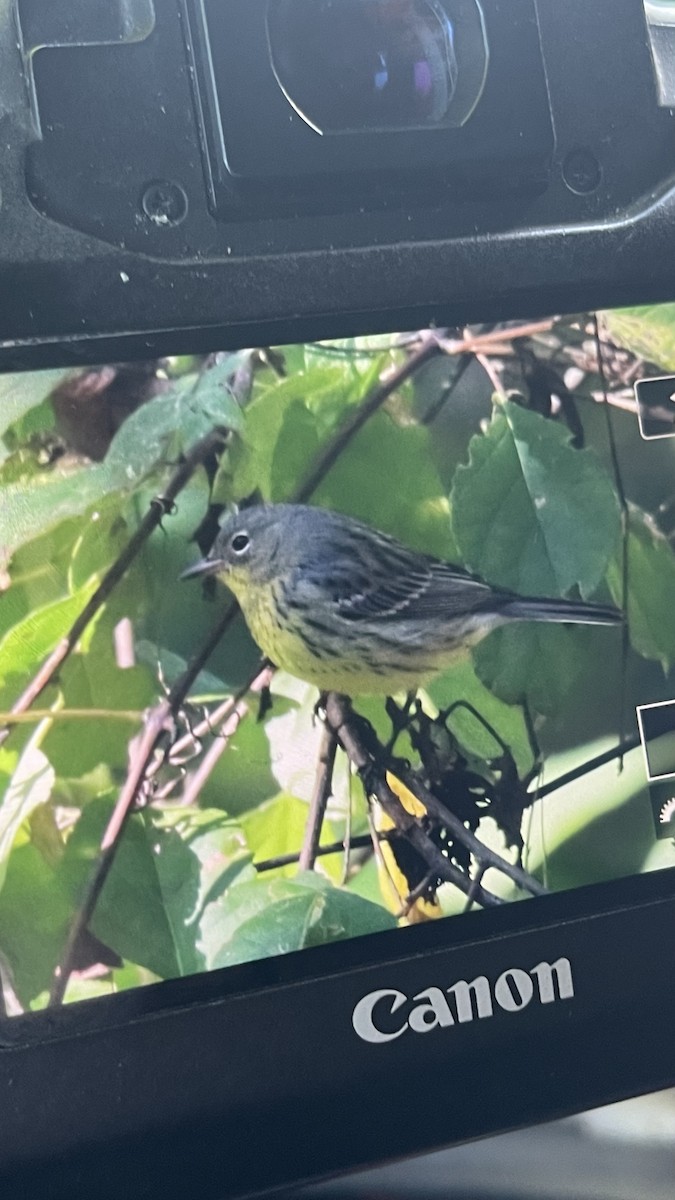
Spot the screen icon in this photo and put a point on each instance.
(657, 733)
(656, 407)
(662, 797)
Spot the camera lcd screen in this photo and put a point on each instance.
(452, 684)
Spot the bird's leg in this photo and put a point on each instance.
(265, 695)
(265, 703)
(319, 713)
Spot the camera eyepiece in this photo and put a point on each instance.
(351, 65)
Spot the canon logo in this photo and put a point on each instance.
(384, 1015)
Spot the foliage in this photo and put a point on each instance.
(525, 509)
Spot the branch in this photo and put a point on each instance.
(492, 374)
(157, 721)
(320, 798)
(212, 756)
(362, 842)
(601, 760)
(339, 716)
(481, 852)
(416, 894)
(434, 410)
(159, 507)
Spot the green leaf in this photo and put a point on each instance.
(212, 401)
(30, 785)
(39, 575)
(462, 684)
(386, 478)
(296, 445)
(243, 778)
(647, 330)
(276, 916)
(149, 436)
(41, 565)
(537, 664)
(651, 588)
(173, 421)
(31, 639)
(277, 828)
(36, 505)
(20, 393)
(252, 462)
(219, 846)
(531, 513)
(35, 912)
(101, 536)
(167, 869)
(94, 681)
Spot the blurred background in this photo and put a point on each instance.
(624, 1151)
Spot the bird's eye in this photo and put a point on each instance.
(240, 542)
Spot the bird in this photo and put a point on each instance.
(336, 603)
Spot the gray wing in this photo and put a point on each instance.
(411, 586)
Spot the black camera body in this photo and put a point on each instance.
(138, 163)
(181, 177)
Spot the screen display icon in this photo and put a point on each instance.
(662, 797)
(657, 731)
(656, 407)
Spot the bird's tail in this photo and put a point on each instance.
(573, 611)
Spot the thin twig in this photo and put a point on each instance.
(601, 760)
(159, 507)
(210, 760)
(340, 718)
(320, 797)
(495, 340)
(439, 403)
(416, 894)
(492, 375)
(361, 842)
(477, 880)
(208, 725)
(222, 738)
(156, 724)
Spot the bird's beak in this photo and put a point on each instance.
(205, 566)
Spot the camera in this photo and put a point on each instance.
(325, 101)
(337, 699)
